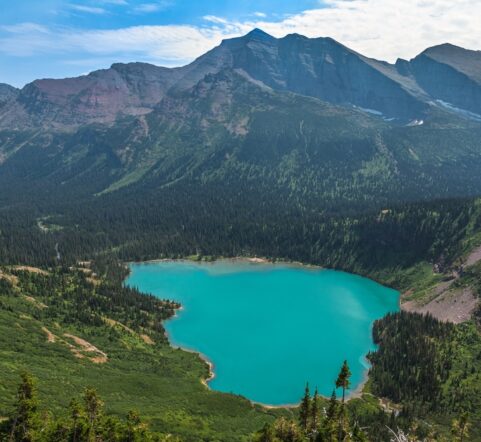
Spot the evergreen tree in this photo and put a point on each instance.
(343, 380)
(333, 407)
(460, 428)
(75, 415)
(267, 434)
(329, 428)
(314, 424)
(358, 435)
(343, 427)
(84, 423)
(304, 412)
(93, 409)
(288, 431)
(25, 422)
(136, 429)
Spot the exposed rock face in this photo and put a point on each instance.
(102, 96)
(451, 74)
(293, 115)
(446, 77)
(324, 69)
(7, 93)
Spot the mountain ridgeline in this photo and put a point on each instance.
(306, 118)
(321, 68)
(258, 129)
(294, 149)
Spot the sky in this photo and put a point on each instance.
(62, 38)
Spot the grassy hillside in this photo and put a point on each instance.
(44, 321)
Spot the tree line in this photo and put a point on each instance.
(86, 421)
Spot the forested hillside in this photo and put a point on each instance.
(72, 329)
(101, 365)
(382, 243)
(290, 149)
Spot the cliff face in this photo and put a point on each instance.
(324, 69)
(450, 74)
(444, 78)
(307, 118)
(101, 97)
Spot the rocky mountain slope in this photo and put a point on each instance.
(320, 67)
(7, 93)
(308, 118)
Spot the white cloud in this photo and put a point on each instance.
(147, 7)
(153, 7)
(215, 19)
(25, 28)
(383, 29)
(173, 45)
(88, 9)
(260, 14)
(387, 29)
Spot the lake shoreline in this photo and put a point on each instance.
(237, 259)
(354, 394)
(203, 357)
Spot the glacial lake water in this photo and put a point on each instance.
(270, 328)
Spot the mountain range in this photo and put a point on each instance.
(309, 117)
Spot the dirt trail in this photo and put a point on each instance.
(147, 339)
(474, 257)
(80, 348)
(30, 269)
(50, 336)
(35, 302)
(12, 279)
(86, 347)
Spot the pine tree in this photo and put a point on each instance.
(331, 413)
(344, 383)
(315, 413)
(343, 425)
(75, 414)
(136, 429)
(460, 428)
(329, 429)
(267, 434)
(304, 412)
(358, 435)
(287, 431)
(25, 422)
(343, 380)
(93, 409)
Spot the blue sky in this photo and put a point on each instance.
(59, 38)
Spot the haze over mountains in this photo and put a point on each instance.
(309, 118)
(320, 68)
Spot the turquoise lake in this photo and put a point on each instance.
(267, 328)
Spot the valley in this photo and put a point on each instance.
(292, 149)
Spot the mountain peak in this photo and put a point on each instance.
(444, 48)
(7, 92)
(259, 34)
(463, 60)
(255, 35)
